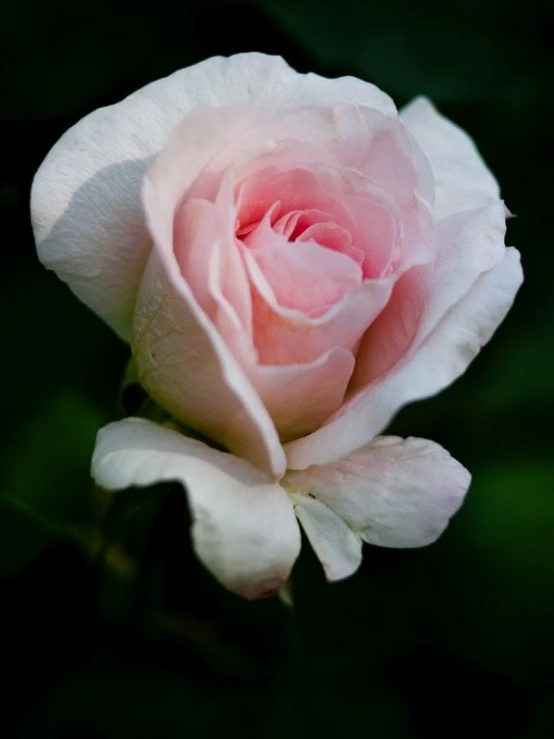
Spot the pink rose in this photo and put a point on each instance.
(303, 262)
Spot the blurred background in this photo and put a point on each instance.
(108, 626)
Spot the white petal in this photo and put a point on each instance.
(182, 358)
(244, 529)
(336, 544)
(468, 244)
(462, 179)
(85, 202)
(393, 493)
(442, 356)
(184, 364)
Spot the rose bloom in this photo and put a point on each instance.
(291, 261)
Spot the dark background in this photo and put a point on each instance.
(108, 626)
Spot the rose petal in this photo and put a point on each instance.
(388, 235)
(462, 179)
(228, 279)
(287, 336)
(393, 160)
(181, 356)
(206, 252)
(375, 235)
(332, 236)
(300, 397)
(442, 357)
(393, 493)
(468, 244)
(358, 138)
(284, 192)
(85, 203)
(303, 276)
(243, 530)
(392, 333)
(183, 363)
(197, 230)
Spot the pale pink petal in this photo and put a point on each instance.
(197, 232)
(184, 364)
(462, 179)
(418, 237)
(303, 276)
(387, 235)
(393, 493)
(166, 352)
(286, 336)
(243, 525)
(442, 357)
(300, 397)
(468, 244)
(392, 238)
(348, 136)
(340, 136)
(392, 333)
(207, 255)
(181, 357)
(302, 225)
(85, 203)
(353, 136)
(332, 236)
(284, 192)
(168, 173)
(376, 234)
(231, 277)
(394, 161)
(293, 223)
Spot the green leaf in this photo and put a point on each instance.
(24, 535)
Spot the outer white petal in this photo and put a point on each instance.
(462, 179)
(393, 493)
(468, 244)
(181, 357)
(443, 357)
(85, 201)
(184, 364)
(244, 529)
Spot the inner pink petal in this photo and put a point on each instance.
(297, 189)
(333, 237)
(308, 218)
(303, 276)
(292, 224)
(283, 336)
(196, 231)
(377, 234)
(231, 275)
(391, 334)
(203, 236)
(286, 225)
